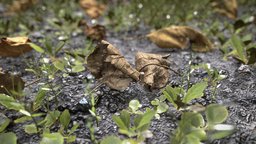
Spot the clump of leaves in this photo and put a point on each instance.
(134, 125)
(194, 129)
(244, 52)
(107, 63)
(160, 105)
(179, 97)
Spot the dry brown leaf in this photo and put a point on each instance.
(180, 37)
(20, 5)
(97, 32)
(92, 8)
(10, 83)
(14, 46)
(225, 7)
(107, 63)
(155, 68)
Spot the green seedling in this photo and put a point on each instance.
(194, 129)
(136, 127)
(160, 105)
(180, 98)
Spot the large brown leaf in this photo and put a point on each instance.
(155, 68)
(107, 63)
(225, 7)
(14, 46)
(10, 83)
(180, 37)
(92, 8)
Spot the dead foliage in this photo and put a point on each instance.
(155, 69)
(92, 8)
(227, 8)
(180, 37)
(14, 46)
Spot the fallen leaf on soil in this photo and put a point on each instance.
(180, 37)
(20, 5)
(225, 7)
(10, 83)
(107, 63)
(155, 68)
(14, 46)
(96, 32)
(92, 8)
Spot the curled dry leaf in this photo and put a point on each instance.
(14, 46)
(180, 37)
(10, 83)
(92, 8)
(107, 63)
(225, 7)
(155, 68)
(96, 32)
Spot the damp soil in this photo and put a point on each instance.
(237, 91)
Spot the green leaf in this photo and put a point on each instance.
(196, 91)
(134, 105)
(240, 48)
(39, 99)
(162, 107)
(52, 138)
(59, 64)
(8, 138)
(10, 102)
(30, 129)
(65, 118)
(220, 131)
(78, 68)
(74, 128)
(36, 47)
(172, 94)
(71, 139)
(4, 122)
(51, 118)
(119, 122)
(146, 118)
(27, 118)
(155, 102)
(59, 46)
(111, 140)
(216, 113)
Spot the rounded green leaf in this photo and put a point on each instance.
(30, 129)
(162, 107)
(65, 118)
(134, 105)
(216, 113)
(8, 138)
(52, 138)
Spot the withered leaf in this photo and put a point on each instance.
(14, 46)
(20, 5)
(96, 32)
(107, 63)
(180, 37)
(92, 8)
(225, 7)
(10, 83)
(155, 68)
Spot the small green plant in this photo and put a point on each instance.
(160, 105)
(179, 97)
(132, 123)
(243, 51)
(194, 129)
